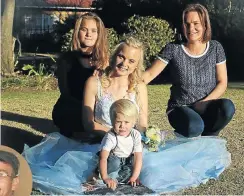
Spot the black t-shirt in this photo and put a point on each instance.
(73, 70)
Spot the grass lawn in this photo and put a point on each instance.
(27, 114)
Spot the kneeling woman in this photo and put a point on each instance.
(199, 78)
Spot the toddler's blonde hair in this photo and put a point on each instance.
(125, 107)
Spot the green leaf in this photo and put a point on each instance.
(27, 67)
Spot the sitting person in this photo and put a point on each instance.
(121, 148)
(122, 79)
(89, 53)
(199, 78)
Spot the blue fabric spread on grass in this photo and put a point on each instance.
(184, 163)
(60, 165)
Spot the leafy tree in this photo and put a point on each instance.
(7, 57)
(67, 38)
(155, 33)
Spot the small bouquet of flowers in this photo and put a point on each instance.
(154, 138)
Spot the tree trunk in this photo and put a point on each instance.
(7, 56)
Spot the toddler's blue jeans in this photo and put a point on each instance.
(121, 165)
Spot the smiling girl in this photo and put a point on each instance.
(122, 79)
(89, 54)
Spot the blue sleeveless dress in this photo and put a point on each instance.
(60, 165)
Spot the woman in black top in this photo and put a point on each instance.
(88, 54)
(199, 78)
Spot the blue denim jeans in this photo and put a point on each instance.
(191, 122)
(121, 165)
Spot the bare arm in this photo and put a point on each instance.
(153, 71)
(90, 93)
(103, 164)
(137, 164)
(221, 75)
(142, 99)
(136, 168)
(103, 170)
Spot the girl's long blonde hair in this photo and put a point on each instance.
(135, 77)
(100, 53)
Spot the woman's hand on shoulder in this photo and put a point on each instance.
(98, 72)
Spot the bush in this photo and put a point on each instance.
(113, 39)
(67, 38)
(153, 32)
(63, 32)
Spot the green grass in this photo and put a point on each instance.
(31, 111)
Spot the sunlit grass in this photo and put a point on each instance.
(39, 104)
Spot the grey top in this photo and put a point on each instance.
(193, 77)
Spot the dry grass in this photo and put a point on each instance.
(31, 112)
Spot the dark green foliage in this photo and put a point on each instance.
(155, 33)
(63, 32)
(113, 39)
(66, 42)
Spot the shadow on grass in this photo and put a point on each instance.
(16, 138)
(39, 124)
(237, 88)
(236, 85)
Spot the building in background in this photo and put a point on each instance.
(37, 23)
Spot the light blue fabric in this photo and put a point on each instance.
(60, 165)
(183, 163)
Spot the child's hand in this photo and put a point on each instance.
(134, 181)
(111, 183)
